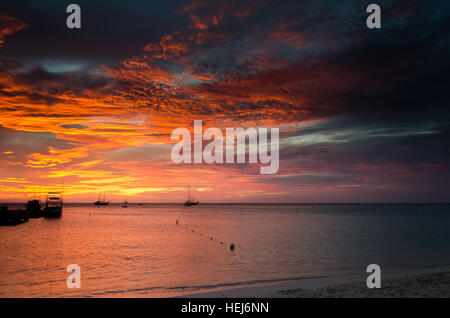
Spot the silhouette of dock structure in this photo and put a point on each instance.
(12, 216)
(34, 208)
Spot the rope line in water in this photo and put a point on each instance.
(192, 230)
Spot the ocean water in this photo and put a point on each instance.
(141, 251)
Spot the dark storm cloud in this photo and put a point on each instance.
(362, 151)
(79, 80)
(317, 55)
(37, 85)
(111, 30)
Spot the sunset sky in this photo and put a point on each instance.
(363, 113)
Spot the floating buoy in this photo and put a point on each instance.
(177, 222)
(221, 242)
(232, 246)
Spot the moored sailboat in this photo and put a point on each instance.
(191, 200)
(101, 201)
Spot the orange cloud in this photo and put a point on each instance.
(9, 25)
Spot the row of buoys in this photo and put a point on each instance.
(232, 246)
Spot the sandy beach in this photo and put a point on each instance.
(421, 286)
(425, 283)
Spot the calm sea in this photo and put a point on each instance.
(140, 251)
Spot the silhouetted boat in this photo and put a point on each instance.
(125, 204)
(34, 208)
(191, 200)
(53, 205)
(101, 201)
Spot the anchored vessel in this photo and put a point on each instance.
(34, 208)
(191, 200)
(101, 201)
(125, 204)
(53, 205)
